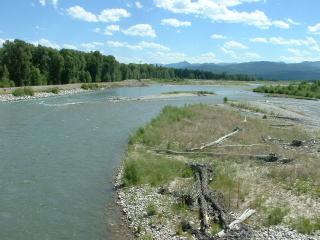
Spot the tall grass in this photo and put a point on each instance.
(150, 135)
(149, 168)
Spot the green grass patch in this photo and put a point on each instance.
(90, 86)
(305, 225)
(150, 135)
(249, 106)
(148, 168)
(26, 91)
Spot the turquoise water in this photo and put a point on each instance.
(58, 156)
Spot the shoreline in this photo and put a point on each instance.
(67, 89)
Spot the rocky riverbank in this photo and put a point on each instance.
(67, 89)
(11, 97)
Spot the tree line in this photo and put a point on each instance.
(24, 64)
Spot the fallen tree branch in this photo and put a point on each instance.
(266, 158)
(233, 225)
(240, 145)
(282, 125)
(218, 141)
(285, 117)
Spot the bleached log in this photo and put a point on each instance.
(218, 141)
(233, 225)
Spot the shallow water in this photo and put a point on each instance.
(58, 156)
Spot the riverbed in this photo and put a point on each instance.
(59, 155)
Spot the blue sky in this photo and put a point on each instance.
(166, 31)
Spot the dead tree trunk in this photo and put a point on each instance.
(218, 141)
(206, 200)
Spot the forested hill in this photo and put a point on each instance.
(266, 70)
(24, 64)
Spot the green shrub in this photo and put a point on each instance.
(306, 226)
(54, 90)
(276, 216)
(225, 100)
(26, 91)
(89, 86)
(151, 210)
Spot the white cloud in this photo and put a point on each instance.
(297, 55)
(115, 44)
(234, 45)
(53, 2)
(46, 43)
(42, 2)
(140, 46)
(152, 45)
(106, 15)
(217, 36)
(109, 30)
(252, 56)
(237, 50)
(141, 30)
(208, 57)
(315, 29)
(69, 46)
(259, 40)
(219, 10)
(79, 13)
(281, 24)
(309, 41)
(91, 46)
(113, 15)
(96, 30)
(175, 23)
(292, 22)
(138, 4)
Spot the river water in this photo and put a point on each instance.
(58, 156)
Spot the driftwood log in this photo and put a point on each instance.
(205, 198)
(266, 158)
(218, 141)
(209, 207)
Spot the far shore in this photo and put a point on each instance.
(66, 89)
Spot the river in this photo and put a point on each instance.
(58, 156)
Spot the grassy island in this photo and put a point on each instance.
(157, 172)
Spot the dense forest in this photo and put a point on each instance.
(24, 64)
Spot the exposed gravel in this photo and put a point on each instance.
(10, 97)
(280, 232)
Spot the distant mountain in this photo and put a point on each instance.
(264, 69)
